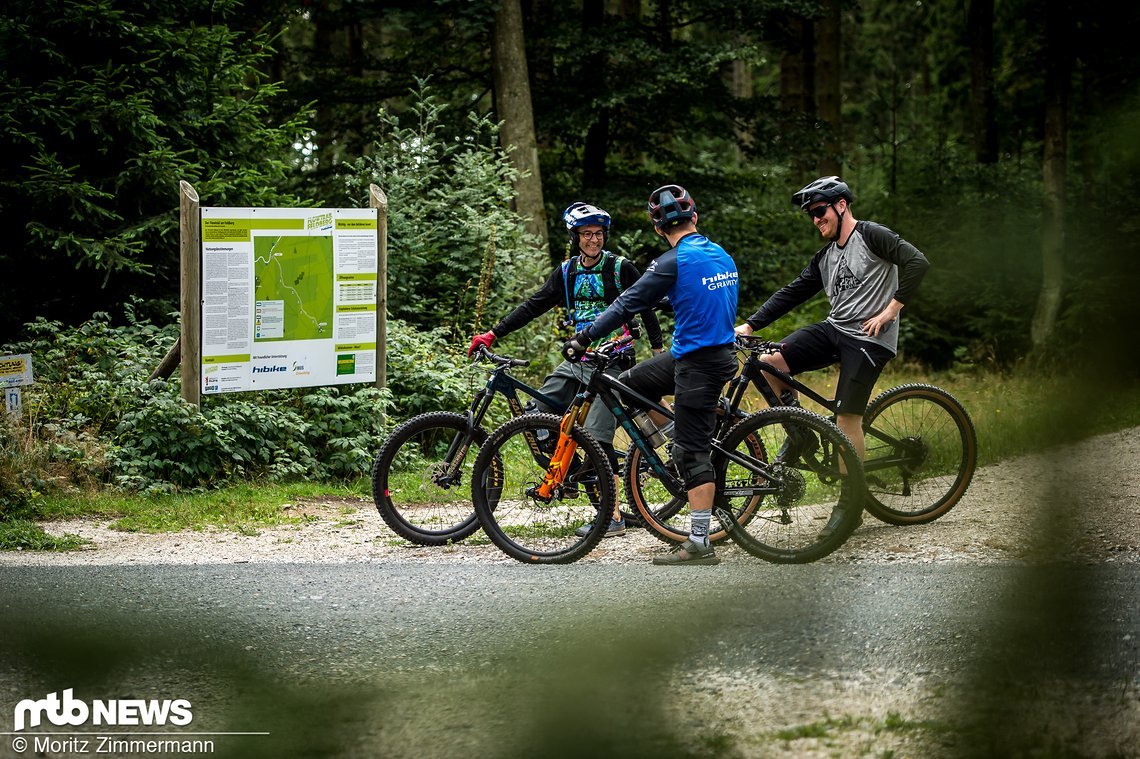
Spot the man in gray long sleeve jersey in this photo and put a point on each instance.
(868, 274)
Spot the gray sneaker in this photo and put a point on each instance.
(612, 530)
(687, 553)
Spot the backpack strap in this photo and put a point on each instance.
(566, 287)
(611, 279)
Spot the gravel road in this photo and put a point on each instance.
(1010, 626)
(1079, 503)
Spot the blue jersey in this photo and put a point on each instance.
(700, 280)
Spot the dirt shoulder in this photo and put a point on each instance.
(1087, 495)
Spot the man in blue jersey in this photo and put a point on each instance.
(700, 280)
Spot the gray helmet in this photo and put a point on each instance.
(828, 189)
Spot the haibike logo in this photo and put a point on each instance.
(264, 369)
(124, 711)
(723, 279)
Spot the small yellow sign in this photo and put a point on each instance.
(16, 370)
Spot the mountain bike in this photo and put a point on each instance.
(531, 501)
(421, 476)
(921, 449)
(921, 445)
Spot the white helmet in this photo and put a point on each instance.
(581, 214)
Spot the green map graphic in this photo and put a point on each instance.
(298, 272)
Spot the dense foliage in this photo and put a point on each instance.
(449, 198)
(92, 417)
(106, 104)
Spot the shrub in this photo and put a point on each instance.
(93, 417)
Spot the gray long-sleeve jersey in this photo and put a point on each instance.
(859, 278)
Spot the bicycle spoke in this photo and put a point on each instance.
(518, 519)
(421, 493)
(787, 507)
(927, 468)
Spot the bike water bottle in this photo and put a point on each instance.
(651, 431)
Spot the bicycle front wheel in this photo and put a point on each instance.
(421, 479)
(922, 451)
(801, 498)
(526, 527)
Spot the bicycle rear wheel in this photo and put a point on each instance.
(661, 501)
(421, 479)
(921, 454)
(510, 468)
(800, 507)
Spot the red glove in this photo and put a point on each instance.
(481, 341)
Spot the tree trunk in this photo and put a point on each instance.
(797, 86)
(598, 135)
(513, 105)
(980, 30)
(1057, 77)
(664, 25)
(742, 87)
(828, 80)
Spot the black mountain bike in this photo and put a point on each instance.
(776, 504)
(421, 477)
(921, 446)
(921, 450)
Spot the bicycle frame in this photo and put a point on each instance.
(500, 382)
(753, 371)
(608, 388)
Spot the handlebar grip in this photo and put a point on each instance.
(495, 358)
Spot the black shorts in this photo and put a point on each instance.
(860, 362)
(696, 381)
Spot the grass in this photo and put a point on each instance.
(242, 508)
(1014, 414)
(25, 535)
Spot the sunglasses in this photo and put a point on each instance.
(819, 211)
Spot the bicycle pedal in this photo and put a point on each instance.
(727, 521)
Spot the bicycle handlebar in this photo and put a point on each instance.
(757, 345)
(604, 353)
(483, 353)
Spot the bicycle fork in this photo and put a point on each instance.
(563, 455)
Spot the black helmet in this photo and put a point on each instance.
(824, 188)
(671, 205)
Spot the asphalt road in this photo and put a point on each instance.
(435, 660)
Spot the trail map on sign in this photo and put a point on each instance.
(289, 297)
(293, 287)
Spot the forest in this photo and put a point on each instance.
(1001, 137)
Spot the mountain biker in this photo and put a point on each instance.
(585, 284)
(700, 280)
(868, 274)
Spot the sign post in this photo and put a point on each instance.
(15, 372)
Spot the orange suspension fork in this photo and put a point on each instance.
(563, 452)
